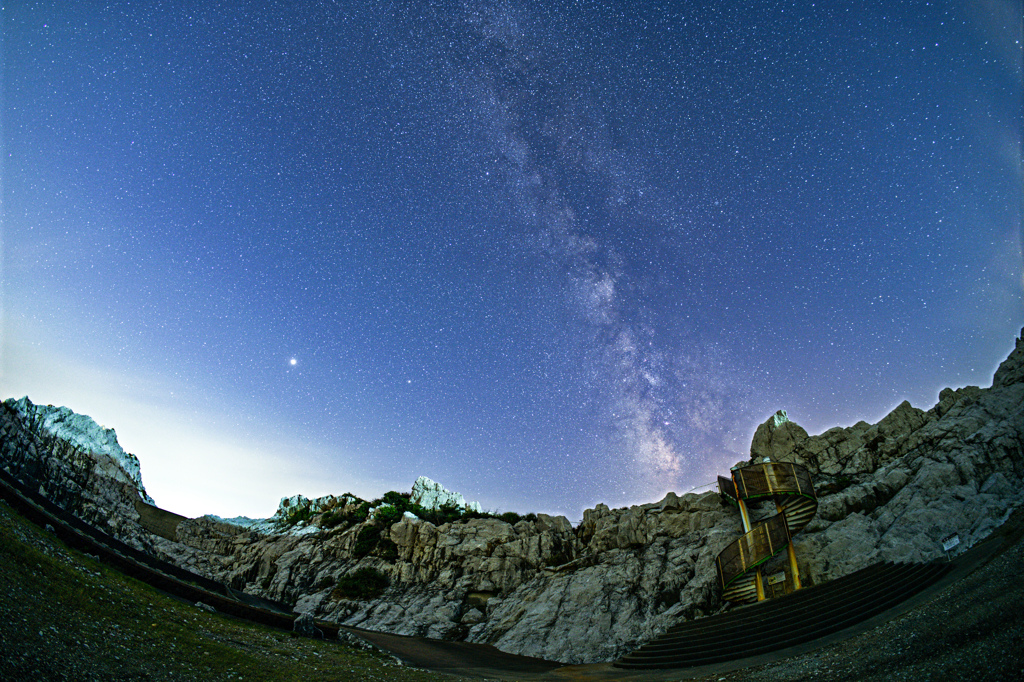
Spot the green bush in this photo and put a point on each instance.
(399, 504)
(387, 549)
(362, 584)
(558, 558)
(439, 517)
(387, 516)
(366, 541)
(325, 582)
(332, 519)
(396, 499)
(361, 512)
(295, 515)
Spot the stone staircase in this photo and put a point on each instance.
(787, 621)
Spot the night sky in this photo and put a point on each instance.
(548, 254)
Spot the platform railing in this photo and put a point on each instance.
(789, 486)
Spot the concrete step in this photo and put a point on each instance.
(749, 612)
(786, 621)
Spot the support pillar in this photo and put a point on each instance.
(793, 569)
(745, 517)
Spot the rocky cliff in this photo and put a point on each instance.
(432, 564)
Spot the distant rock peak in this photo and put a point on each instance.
(83, 433)
(432, 495)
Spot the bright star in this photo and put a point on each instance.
(293, 362)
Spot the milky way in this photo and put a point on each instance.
(666, 405)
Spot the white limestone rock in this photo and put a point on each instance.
(888, 491)
(82, 433)
(432, 495)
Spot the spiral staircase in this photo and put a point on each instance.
(796, 617)
(787, 486)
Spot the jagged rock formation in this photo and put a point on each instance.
(432, 495)
(80, 434)
(76, 463)
(540, 587)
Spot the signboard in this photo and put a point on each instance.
(950, 541)
(777, 578)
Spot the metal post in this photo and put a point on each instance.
(745, 517)
(793, 569)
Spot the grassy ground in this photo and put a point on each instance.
(64, 616)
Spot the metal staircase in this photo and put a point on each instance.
(789, 487)
(796, 617)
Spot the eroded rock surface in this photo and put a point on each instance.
(432, 495)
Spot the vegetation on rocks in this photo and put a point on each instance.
(392, 506)
(886, 492)
(297, 515)
(361, 584)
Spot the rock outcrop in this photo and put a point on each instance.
(76, 463)
(538, 586)
(432, 495)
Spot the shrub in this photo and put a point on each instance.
(366, 540)
(667, 597)
(296, 514)
(325, 582)
(361, 512)
(439, 517)
(510, 517)
(362, 584)
(396, 499)
(558, 558)
(387, 549)
(332, 519)
(386, 516)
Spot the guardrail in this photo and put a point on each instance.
(160, 574)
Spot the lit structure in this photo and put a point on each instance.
(789, 487)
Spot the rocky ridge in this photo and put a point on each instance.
(538, 586)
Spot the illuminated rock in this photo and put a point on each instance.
(432, 495)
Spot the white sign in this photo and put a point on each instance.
(777, 578)
(950, 541)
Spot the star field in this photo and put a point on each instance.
(549, 254)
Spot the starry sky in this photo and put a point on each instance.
(549, 254)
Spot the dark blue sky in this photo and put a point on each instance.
(549, 254)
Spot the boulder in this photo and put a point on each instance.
(777, 439)
(305, 625)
